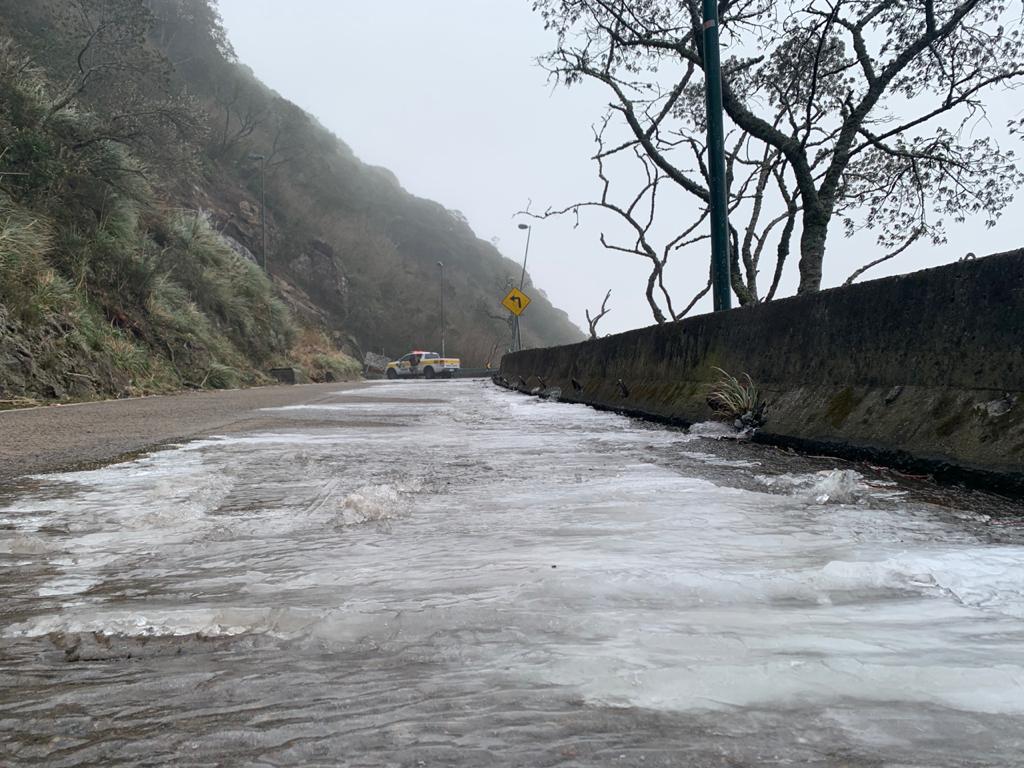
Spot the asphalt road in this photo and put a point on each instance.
(56, 437)
(446, 573)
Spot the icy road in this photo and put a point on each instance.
(444, 573)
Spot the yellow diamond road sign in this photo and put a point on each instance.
(516, 302)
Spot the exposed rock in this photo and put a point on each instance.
(289, 375)
(80, 387)
(238, 248)
(996, 408)
(250, 213)
(318, 270)
(892, 394)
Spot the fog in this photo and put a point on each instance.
(448, 95)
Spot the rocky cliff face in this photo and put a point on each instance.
(33, 364)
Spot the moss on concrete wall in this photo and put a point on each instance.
(923, 371)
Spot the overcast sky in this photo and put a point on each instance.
(447, 94)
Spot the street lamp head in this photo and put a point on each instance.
(524, 226)
(257, 157)
(440, 264)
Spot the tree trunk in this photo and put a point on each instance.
(812, 248)
(744, 295)
(652, 282)
(743, 291)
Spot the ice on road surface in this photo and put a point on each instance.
(459, 575)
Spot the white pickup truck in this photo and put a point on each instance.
(426, 364)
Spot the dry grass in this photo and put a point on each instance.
(320, 360)
(734, 397)
(18, 402)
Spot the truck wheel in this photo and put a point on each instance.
(428, 372)
(392, 373)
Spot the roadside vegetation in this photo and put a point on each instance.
(130, 241)
(105, 290)
(314, 354)
(737, 400)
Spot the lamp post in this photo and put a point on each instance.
(441, 265)
(522, 282)
(263, 207)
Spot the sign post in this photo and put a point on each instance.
(516, 302)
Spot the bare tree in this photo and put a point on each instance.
(290, 139)
(244, 110)
(122, 90)
(105, 40)
(872, 105)
(751, 179)
(593, 321)
(637, 212)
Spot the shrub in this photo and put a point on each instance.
(29, 288)
(126, 356)
(736, 399)
(335, 366)
(321, 359)
(222, 377)
(230, 289)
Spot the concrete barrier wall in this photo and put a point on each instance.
(924, 372)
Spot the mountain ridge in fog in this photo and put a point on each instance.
(351, 253)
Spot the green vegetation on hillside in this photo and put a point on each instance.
(104, 290)
(129, 218)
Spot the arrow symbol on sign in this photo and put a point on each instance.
(518, 301)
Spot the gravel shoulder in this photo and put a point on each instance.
(55, 438)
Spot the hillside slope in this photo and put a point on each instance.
(129, 201)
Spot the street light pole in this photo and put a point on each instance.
(716, 160)
(522, 282)
(263, 207)
(441, 265)
(529, 231)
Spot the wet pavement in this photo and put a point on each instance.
(445, 573)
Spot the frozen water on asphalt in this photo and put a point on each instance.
(446, 573)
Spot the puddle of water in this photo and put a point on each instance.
(506, 581)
